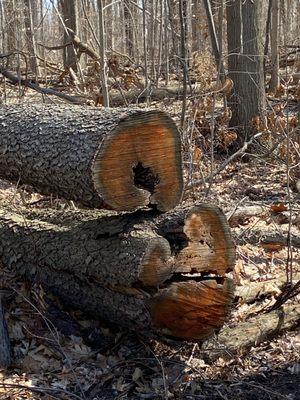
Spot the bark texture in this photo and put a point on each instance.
(5, 350)
(252, 332)
(145, 271)
(119, 159)
(245, 63)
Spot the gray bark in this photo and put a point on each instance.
(274, 82)
(63, 151)
(31, 43)
(102, 54)
(125, 268)
(245, 63)
(69, 10)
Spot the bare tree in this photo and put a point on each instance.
(102, 54)
(274, 82)
(69, 11)
(245, 63)
(30, 38)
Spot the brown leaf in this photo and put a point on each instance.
(278, 207)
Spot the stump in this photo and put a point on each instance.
(161, 273)
(104, 158)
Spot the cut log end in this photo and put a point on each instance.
(140, 164)
(209, 246)
(192, 310)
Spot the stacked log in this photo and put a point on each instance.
(104, 158)
(159, 273)
(145, 271)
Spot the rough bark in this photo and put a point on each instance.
(214, 39)
(241, 216)
(260, 290)
(30, 38)
(145, 271)
(250, 333)
(5, 350)
(119, 159)
(268, 239)
(69, 10)
(274, 81)
(245, 64)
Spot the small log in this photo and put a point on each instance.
(242, 215)
(118, 159)
(269, 240)
(240, 338)
(145, 271)
(253, 291)
(5, 350)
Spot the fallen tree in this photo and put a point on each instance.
(132, 96)
(145, 271)
(119, 159)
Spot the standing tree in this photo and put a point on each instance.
(274, 82)
(31, 44)
(245, 63)
(69, 11)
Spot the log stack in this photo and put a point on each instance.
(160, 273)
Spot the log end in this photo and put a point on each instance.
(192, 310)
(209, 245)
(139, 164)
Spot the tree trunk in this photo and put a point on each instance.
(245, 64)
(144, 271)
(31, 45)
(119, 159)
(214, 40)
(102, 53)
(69, 10)
(274, 82)
(129, 37)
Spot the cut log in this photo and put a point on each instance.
(253, 291)
(239, 339)
(145, 271)
(118, 159)
(269, 240)
(242, 215)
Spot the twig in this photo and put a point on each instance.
(228, 161)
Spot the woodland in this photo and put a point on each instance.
(149, 199)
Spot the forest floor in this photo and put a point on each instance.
(62, 354)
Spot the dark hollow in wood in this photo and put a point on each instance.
(145, 270)
(103, 158)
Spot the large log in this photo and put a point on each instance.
(118, 159)
(146, 271)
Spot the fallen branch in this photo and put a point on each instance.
(269, 240)
(250, 292)
(241, 215)
(239, 339)
(27, 83)
(240, 152)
